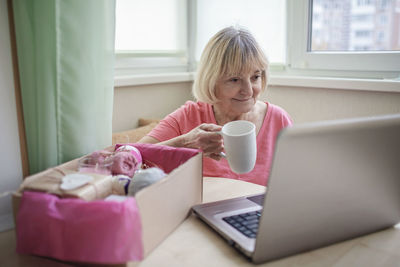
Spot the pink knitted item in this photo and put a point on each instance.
(135, 152)
(124, 163)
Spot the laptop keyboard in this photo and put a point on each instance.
(246, 223)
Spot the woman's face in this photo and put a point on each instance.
(238, 94)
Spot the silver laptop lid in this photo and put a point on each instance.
(330, 181)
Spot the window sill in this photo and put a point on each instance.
(375, 85)
(147, 79)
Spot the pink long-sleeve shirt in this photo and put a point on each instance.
(192, 114)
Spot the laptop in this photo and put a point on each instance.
(330, 181)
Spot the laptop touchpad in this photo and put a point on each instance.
(259, 199)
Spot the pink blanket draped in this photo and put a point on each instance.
(168, 158)
(77, 230)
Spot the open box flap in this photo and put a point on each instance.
(169, 201)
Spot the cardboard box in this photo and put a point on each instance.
(163, 206)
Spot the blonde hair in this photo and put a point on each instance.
(229, 52)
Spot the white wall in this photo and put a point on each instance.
(303, 104)
(149, 101)
(10, 159)
(314, 104)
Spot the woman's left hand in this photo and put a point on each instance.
(207, 138)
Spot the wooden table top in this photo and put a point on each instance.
(194, 244)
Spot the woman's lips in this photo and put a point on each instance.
(241, 100)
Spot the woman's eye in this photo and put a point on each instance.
(256, 77)
(234, 80)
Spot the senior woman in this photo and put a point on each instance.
(232, 73)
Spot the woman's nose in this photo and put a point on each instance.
(246, 88)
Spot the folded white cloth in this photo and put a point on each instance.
(144, 178)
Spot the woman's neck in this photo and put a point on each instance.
(223, 118)
(256, 115)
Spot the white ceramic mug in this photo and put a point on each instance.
(240, 145)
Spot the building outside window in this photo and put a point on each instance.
(360, 27)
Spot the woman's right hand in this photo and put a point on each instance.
(207, 138)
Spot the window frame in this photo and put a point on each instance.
(372, 64)
(138, 62)
(141, 62)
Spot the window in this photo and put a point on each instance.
(347, 38)
(151, 33)
(358, 18)
(349, 27)
(383, 19)
(362, 34)
(352, 42)
(266, 20)
(169, 35)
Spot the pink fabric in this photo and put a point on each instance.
(193, 114)
(165, 157)
(79, 231)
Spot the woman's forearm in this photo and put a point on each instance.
(179, 141)
(205, 137)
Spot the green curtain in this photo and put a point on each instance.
(65, 54)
